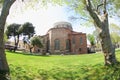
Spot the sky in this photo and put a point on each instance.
(43, 18)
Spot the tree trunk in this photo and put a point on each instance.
(16, 43)
(4, 69)
(101, 22)
(106, 43)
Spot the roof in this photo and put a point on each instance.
(63, 25)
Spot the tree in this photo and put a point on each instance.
(115, 38)
(100, 18)
(91, 38)
(98, 11)
(27, 29)
(115, 34)
(35, 41)
(26, 41)
(13, 30)
(5, 38)
(114, 28)
(4, 68)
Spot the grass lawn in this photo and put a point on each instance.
(58, 67)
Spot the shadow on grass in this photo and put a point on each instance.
(85, 72)
(100, 72)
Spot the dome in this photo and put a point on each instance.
(63, 25)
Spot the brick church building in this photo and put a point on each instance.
(62, 39)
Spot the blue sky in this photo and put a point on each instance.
(44, 18)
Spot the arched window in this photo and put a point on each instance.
(67, 44)
(48, 45)
(57, 44)
(81, 40)
(73, 40)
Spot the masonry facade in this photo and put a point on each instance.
(62, 39)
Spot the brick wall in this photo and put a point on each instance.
(62, 34)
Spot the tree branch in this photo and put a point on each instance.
(5, 11)
(99, 6)
(75, 18)
(104, 5)
(93, 13)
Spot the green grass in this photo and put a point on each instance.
(57, 67)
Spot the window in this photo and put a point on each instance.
(81, 40)
(43, 40)
(73, 40)
(67, 44)
(56, 44)
(79, 49)
(48, 45)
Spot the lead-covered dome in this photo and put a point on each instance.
(63, 25)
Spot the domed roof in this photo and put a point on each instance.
(63, 25)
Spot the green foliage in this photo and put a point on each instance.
(13, 30)
(1, 1)
(78, 6)
(115, 38)
(97, 5)
(35, 41)
(5, 38)
(116, 3)
(115, 31)
(56, 67)
(91, 38)
(27, 29)
(114, 28)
